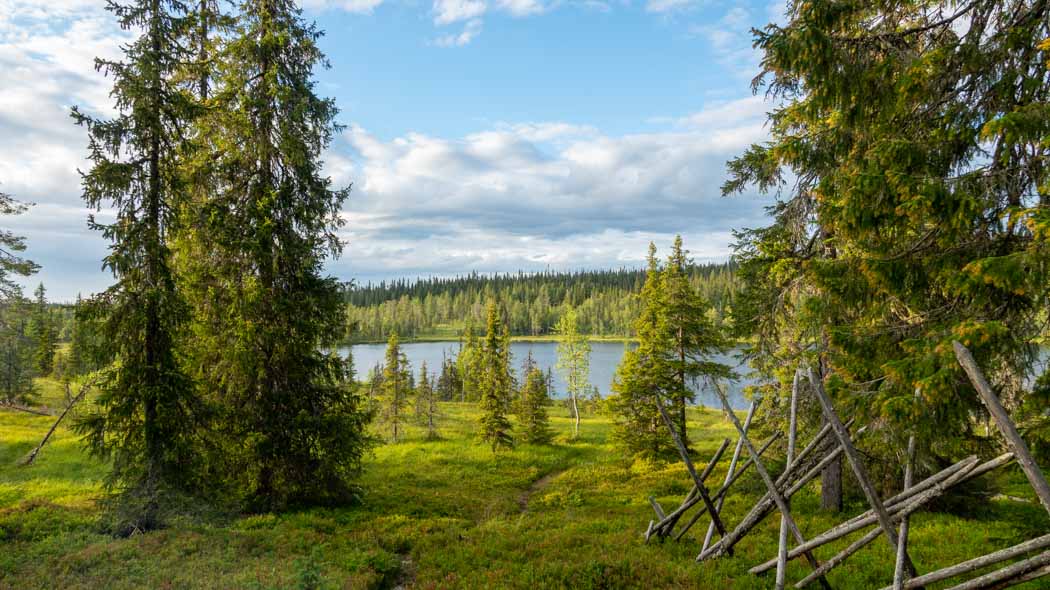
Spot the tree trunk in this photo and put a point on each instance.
(576, 417)
(831, 486)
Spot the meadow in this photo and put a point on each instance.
(447, 514)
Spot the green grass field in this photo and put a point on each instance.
(444, 514)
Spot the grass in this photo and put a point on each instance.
(445, 514)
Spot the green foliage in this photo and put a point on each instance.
(427, 411)
(675, 335)
(574, 362)
(395, 388)
(917, 214)
(42, 327)
(294, 428)
(605, 302)
(145, 420)
(495, 382)
(11, 246)
(535, 424)
(17, 351)
(455, 519)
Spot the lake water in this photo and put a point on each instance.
(605, 357)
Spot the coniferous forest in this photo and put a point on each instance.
(202, 421)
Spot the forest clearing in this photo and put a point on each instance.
(446, 514)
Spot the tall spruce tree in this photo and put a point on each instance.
(909, 154)
(574, 363)
(271, 223)
(675, 341)
(44, 332)
(145, 410)
(495, 383)
(396, 388)
(17, 362)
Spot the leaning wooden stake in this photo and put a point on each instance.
(701, 489)
(720, 496)
(665, 526)
(1006, 425)
(1007, 574)
(902, 546)
(770, 484)
(732, 469)
(792, 425)
(978, 563)
(83, 390)
(858, 468)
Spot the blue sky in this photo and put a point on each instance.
(489, 135)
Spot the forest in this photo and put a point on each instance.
(202, 423)
(605, 302)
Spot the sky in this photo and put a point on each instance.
(480, 135)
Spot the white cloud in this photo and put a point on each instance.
(470, 30)
(537, 194)
(447, 12)
(353, 6)
(661, 6)
(520, 8)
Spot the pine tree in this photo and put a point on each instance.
(395, 387)
(44, 332)
(145, 410)
(269, 226)
(468, 364)
(535, 426)
(495, 383)
(449, 384)
(574, 362)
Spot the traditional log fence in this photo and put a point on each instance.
(830, 443)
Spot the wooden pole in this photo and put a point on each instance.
(770, 484)
(1006, 425)
(689, 467)
(666, 524)
(902, 546)
(765, 505)
(732, 469)
(978, 563)
(783, 541)
(858, 468)
(719, 496)
(852, 526)
(1008, 573)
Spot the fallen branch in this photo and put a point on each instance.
(83, 390)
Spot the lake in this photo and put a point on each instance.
(605, 357)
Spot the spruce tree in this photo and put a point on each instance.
(270, 225)
(535, 426)
(11, 246)
(17, 348)
(396, 388)
(44, 332)
(495, 383)
(907, 153)
(144, 421)
(427, 403)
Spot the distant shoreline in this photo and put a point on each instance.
(421, 339)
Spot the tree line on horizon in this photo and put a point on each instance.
(606, 302)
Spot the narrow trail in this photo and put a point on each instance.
(407, 574)
(537, 486)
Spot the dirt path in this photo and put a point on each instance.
(537, 486)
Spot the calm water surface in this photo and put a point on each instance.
(605, 357)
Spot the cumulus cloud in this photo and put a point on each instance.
(353, 6)
(447, 12)
(470, 30)
(540, 195)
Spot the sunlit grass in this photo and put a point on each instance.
(447, 514)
